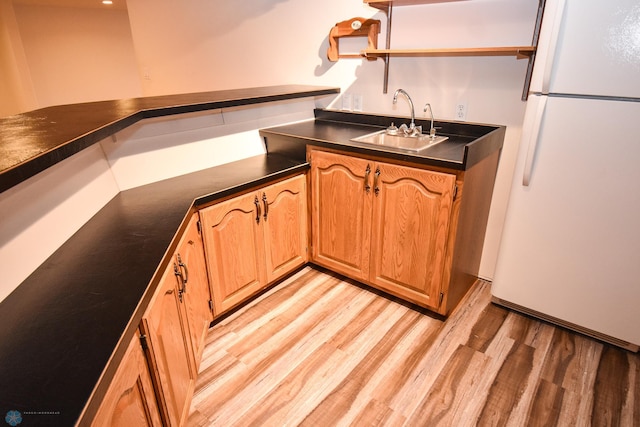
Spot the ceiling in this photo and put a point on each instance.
(117, 4)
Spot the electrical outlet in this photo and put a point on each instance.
(357, 102)
(461, 111)
(347, 102)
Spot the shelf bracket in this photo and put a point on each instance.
(387, 57)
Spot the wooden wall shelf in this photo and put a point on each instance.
(354, 27)
(520, 52)
(383, 4)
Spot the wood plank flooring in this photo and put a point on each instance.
(320, 351)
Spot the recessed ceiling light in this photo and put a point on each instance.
(107, 2)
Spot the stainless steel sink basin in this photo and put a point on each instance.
(410, 143)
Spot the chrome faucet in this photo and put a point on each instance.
(432, 130)
(412, 130)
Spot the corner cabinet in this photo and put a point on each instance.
(254, 239)
(174, 325)
(385, 224)
(130, 399)
(194, 285)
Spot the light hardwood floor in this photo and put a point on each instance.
(318, 350)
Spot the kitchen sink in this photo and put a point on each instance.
(410, 143)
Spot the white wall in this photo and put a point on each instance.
(219, 45)
(164, 147)
(197, 45)
(41, 213)
(16, 90)
(78, 54)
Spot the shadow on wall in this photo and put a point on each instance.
(325, 65)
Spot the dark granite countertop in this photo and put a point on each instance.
(63, 323)
(33, 141)
(468, 143)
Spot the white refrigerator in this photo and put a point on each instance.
(570, 249)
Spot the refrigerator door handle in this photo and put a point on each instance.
(533, 139)
(552, 46)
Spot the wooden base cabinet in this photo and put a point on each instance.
(412, 212)
(174, 326)
(194, 282)
(384, 224)
(254, 239)
(341, 207)
(285, 226)
(130, 399)
(169, 350)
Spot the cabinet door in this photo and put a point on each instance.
(169, 349)
(285, 226)
(130, 399)
(234, 248)
(196, 293)
(341, 212)
(411, 215)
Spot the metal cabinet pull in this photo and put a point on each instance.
(178, 274)
(185, 278)
(257, 203)
(266, 206)
(367, 172)
(376, 189)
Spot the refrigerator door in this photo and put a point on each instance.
(589, 47)
(571, 242)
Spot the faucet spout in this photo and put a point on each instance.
(412, 125)
(432, 130)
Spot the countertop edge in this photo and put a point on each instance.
(483, 138)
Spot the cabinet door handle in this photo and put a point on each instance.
(178, 274)
(258, 211)
(376, 189)
(266, 205)
(367, 172)
(185, 278)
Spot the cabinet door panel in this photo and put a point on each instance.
(130, 400)
(341, 213)
(235, 250)
(196, 298)
(285, 226)
(169, 349)
(411, 218)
